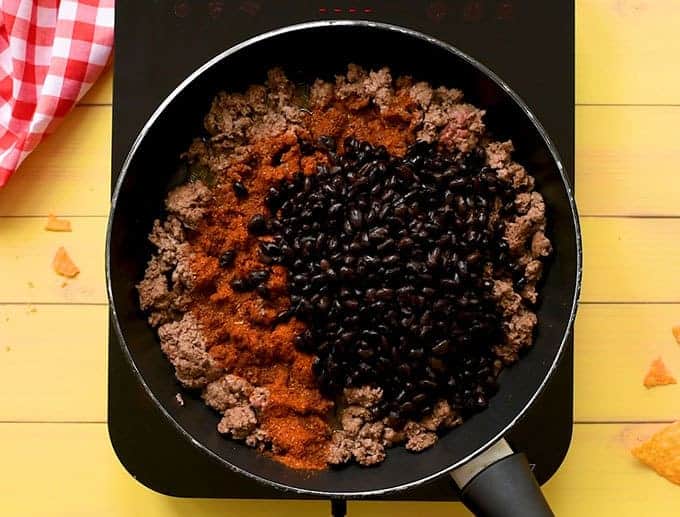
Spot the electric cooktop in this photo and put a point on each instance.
(528, 43)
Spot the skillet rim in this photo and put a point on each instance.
(383, 27)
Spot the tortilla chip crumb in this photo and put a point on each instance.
(179, 399)
(63, 284)
(63, 265)
(31, 284)
(676, 333)
(658, 375)
(662, 452)
(54, 224)
(7, 348)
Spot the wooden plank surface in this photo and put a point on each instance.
(69, 173)
(626, 260)
(627, 160)
(631, 260)
(614, 345)
(26, 261)
(53, 363)
(626, 52)
(77, 473)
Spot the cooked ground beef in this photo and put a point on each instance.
(186, 348)
(364, 438)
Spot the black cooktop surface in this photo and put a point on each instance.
(528, 43)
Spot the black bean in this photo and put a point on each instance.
(227, 258)
(351, 304)
(257, 225)
(272, 249)
(404, 369)
(365, 353)
(441, 348)
(437, 365)
(386, 265)
(241, 285)
(328, 142)
(336, 210)
(240, 190)
(263, 292)
(407, 407)
(283, 316)
(390, 259)
(441, 305)
(258, 276)
(385, 246)
(428, 384)
(419, 398)
(355, 218)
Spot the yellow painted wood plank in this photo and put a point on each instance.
(626, 51)
(614, 346)
(600, 477)
(631, 260)
(53, 363)
(69, 172)
(101, 91)
(615, 271)
(26, 252)
(627, 160)
(65, 347)
(78, 474)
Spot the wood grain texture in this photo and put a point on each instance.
(614, 346)
(626, 52)
(65, 347)
(631, 260)
(53, 363)
(617, 150)
(627, 160)
(626, 260)
(69, 173)
(78, 474)
(26, 256)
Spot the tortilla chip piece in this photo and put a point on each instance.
(676, 333)
(54, 224)
(658, 375)
(63, 265)
(662, 452)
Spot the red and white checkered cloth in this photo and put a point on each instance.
(51, 52)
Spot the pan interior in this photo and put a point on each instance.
(307, 53)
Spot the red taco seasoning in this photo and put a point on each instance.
(239, 326)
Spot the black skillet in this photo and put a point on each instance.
(494, 481)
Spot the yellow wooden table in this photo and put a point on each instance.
(55, 455)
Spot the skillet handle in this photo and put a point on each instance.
(499, 483)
